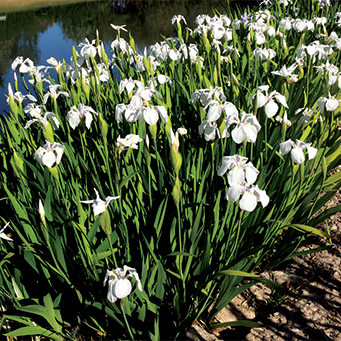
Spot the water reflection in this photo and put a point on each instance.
(51, 31)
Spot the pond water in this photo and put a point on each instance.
(39, 32)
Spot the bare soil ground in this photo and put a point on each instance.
(314, 315)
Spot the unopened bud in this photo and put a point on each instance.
(177, 192)
(43, 225)
(86, 88)
(106, 222)
(175, 137)
(153, 131)
(103, 126)
(18, 161)
(147, 140)
(48, 132)
(42, 212)
(104, 57)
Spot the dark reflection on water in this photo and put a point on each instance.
(47, 32)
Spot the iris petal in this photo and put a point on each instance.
(248, 202)
(122, 288)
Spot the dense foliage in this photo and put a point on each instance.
(214, 149)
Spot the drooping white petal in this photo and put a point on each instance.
(261, 100)
(214, 111)
(129, 87)
(230, 109)
(261, 196)
(108, 199)
(111, 296)
(132, 114)
(237, 134)
(87, 201)
(285, 147)
(74, 119)
(136, 101)
(271, 108)
(218, 31)
(260, 38)
(250, 133)
(233, 192)
(251, 173)
(210, 132)
(236, 176)
(120, 108)
(30, 122)
(133, 272)
(88, 119)
(174, 55)
(98, 207)
(43, 120)
(225, 133)
(248, 202)
(150, 115)
(224, 166)
(297, 155)
(39, 154)
(332, 104)
(49, 158)
(146, 94)
(321, 102)
(4, 236)
(163, 112)
(122, 288)
(311, 152)
(202, 127)
(59, 149)
(107, 274)
(281, 99)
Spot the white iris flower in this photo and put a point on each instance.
(129, 142)
(261, 54)
(251, 195)
(54, 93)
(210, 129)
(215, 109)
(268, 100)
(177, 19)
(50, 155)
(246, 128)
(119, 286)
(286, 72)
(239, 169)
(98, 205)
(35, 111)
(296, 150)
(329, 104)
(76, 115)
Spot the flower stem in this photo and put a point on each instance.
(125, 320)
(112, 251)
